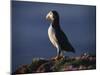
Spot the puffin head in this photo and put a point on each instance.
(52, 16)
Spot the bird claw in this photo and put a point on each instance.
(58, 58)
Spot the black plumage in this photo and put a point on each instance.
(56, 35)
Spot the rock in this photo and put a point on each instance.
(46, 67)
(39, 65)
(21, 70)
(35, 64)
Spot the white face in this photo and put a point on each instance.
(50, 16)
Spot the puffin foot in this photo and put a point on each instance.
(57, 58)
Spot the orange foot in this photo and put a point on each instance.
(58, 58)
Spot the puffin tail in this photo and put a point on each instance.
(73, 50)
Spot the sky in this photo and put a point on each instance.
(30, 30)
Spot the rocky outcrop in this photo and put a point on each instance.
(39, 65)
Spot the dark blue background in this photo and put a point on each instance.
(30, 36)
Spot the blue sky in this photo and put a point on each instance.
(30, 36)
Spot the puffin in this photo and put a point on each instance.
(56, 35)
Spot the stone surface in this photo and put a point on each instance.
(39, 65)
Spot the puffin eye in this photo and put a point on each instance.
(50, 13)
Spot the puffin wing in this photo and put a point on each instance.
(63, 41)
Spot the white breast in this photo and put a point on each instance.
(52, 37)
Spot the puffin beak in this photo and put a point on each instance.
(47, 17)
